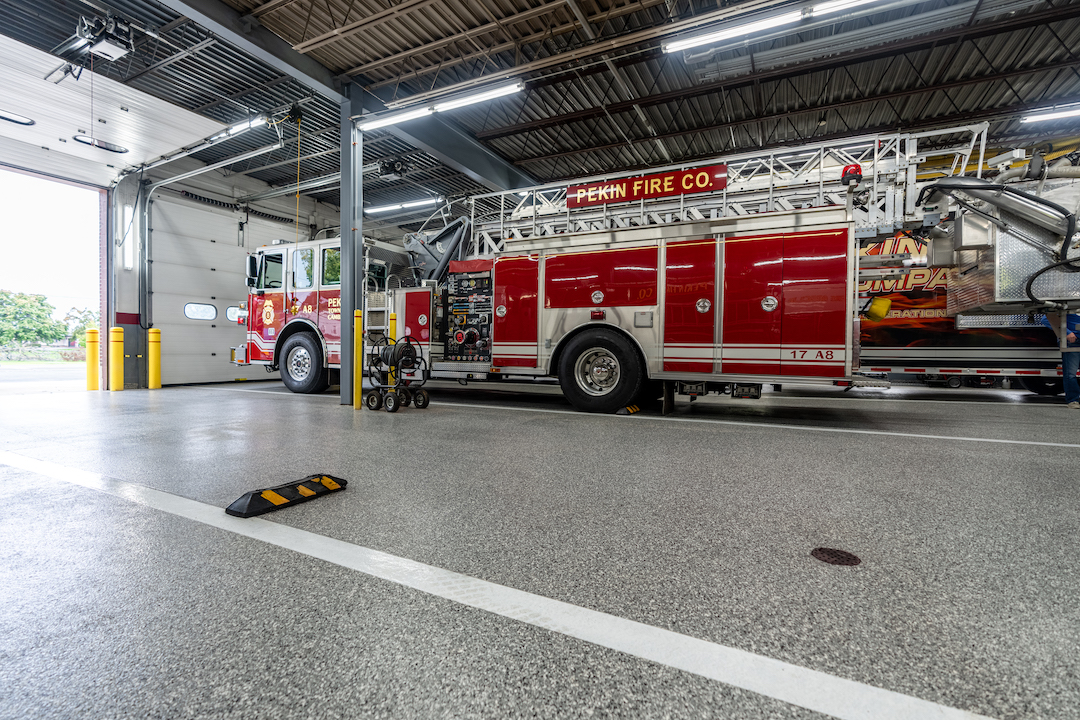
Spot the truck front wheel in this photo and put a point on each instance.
(599, 371)
(302, 367)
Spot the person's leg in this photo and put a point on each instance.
(1070, 363)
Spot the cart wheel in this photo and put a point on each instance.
(373, 400)
(392, 402)
(405, 396)
(421, 399)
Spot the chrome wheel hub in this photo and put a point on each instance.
(298, 363)
(597, 371)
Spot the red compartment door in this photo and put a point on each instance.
(689, 313)
(814, 307)
(515, 296)
(753, 299)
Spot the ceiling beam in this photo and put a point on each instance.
(253, 38)
(943, 121)
(434, 135)
(816, 109)
(837, 61)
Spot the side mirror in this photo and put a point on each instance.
(252, 269)
(251, 281)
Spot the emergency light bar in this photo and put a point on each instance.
(788, 18)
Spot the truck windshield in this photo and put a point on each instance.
(270, 273)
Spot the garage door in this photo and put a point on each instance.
(198, 285)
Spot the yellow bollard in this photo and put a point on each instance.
(153, 352)
(93, 359)
(358, 359)
(392, 335)
(116, 358)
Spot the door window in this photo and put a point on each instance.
(271, 272)
(303, 274)
(331, 266)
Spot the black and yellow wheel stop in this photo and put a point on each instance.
(628, 410)
(266, 500)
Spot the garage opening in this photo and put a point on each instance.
(50, 281)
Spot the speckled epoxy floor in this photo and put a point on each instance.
(700, 523)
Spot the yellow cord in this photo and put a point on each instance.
(298, 180)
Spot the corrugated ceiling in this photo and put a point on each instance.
(600, 95)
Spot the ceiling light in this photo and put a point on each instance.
(240, 127)
(94, 142)
(479, 97)
(443, 106)
(248, 124)
(17, 119)
(836, 5)
(1052, 116)
(401, 206)
(394, 119)
(744, 29)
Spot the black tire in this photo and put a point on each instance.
(954, 381)
(600, 371)
(391, 402)
(373, 400)
(404, 396)
(1043, 386)
(301, 363)
(421, 399)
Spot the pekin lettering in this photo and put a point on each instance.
(679, 182)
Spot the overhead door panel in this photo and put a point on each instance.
(199, 263)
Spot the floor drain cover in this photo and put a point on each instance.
(835, 557)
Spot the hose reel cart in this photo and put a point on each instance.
(398, 371)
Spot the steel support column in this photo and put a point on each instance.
(352, 232)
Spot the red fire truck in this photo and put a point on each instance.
(720, 278)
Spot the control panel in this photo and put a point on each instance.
(468, 316)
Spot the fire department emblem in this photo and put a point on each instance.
(268, 313)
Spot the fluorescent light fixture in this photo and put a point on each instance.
(738, 30)
(17, 119)
(836, 5)
(443, 106)
(240, 127)
(247, 125)
(95, 142)
(394, 119)
(479, 97)
(400, 206)
(1052, 115)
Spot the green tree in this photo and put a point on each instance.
(27, 320)
(79, 321)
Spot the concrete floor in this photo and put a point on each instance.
(678, 550)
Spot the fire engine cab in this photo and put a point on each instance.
(719, 278)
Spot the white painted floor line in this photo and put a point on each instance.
(789, 683)
(776, 426)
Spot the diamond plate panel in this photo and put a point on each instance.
(1018, 259)
(971, 282)
(965, 322)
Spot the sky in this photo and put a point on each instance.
(49, 241)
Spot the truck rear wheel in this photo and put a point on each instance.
(1043, 386)
(599, 371)
(302, 367)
